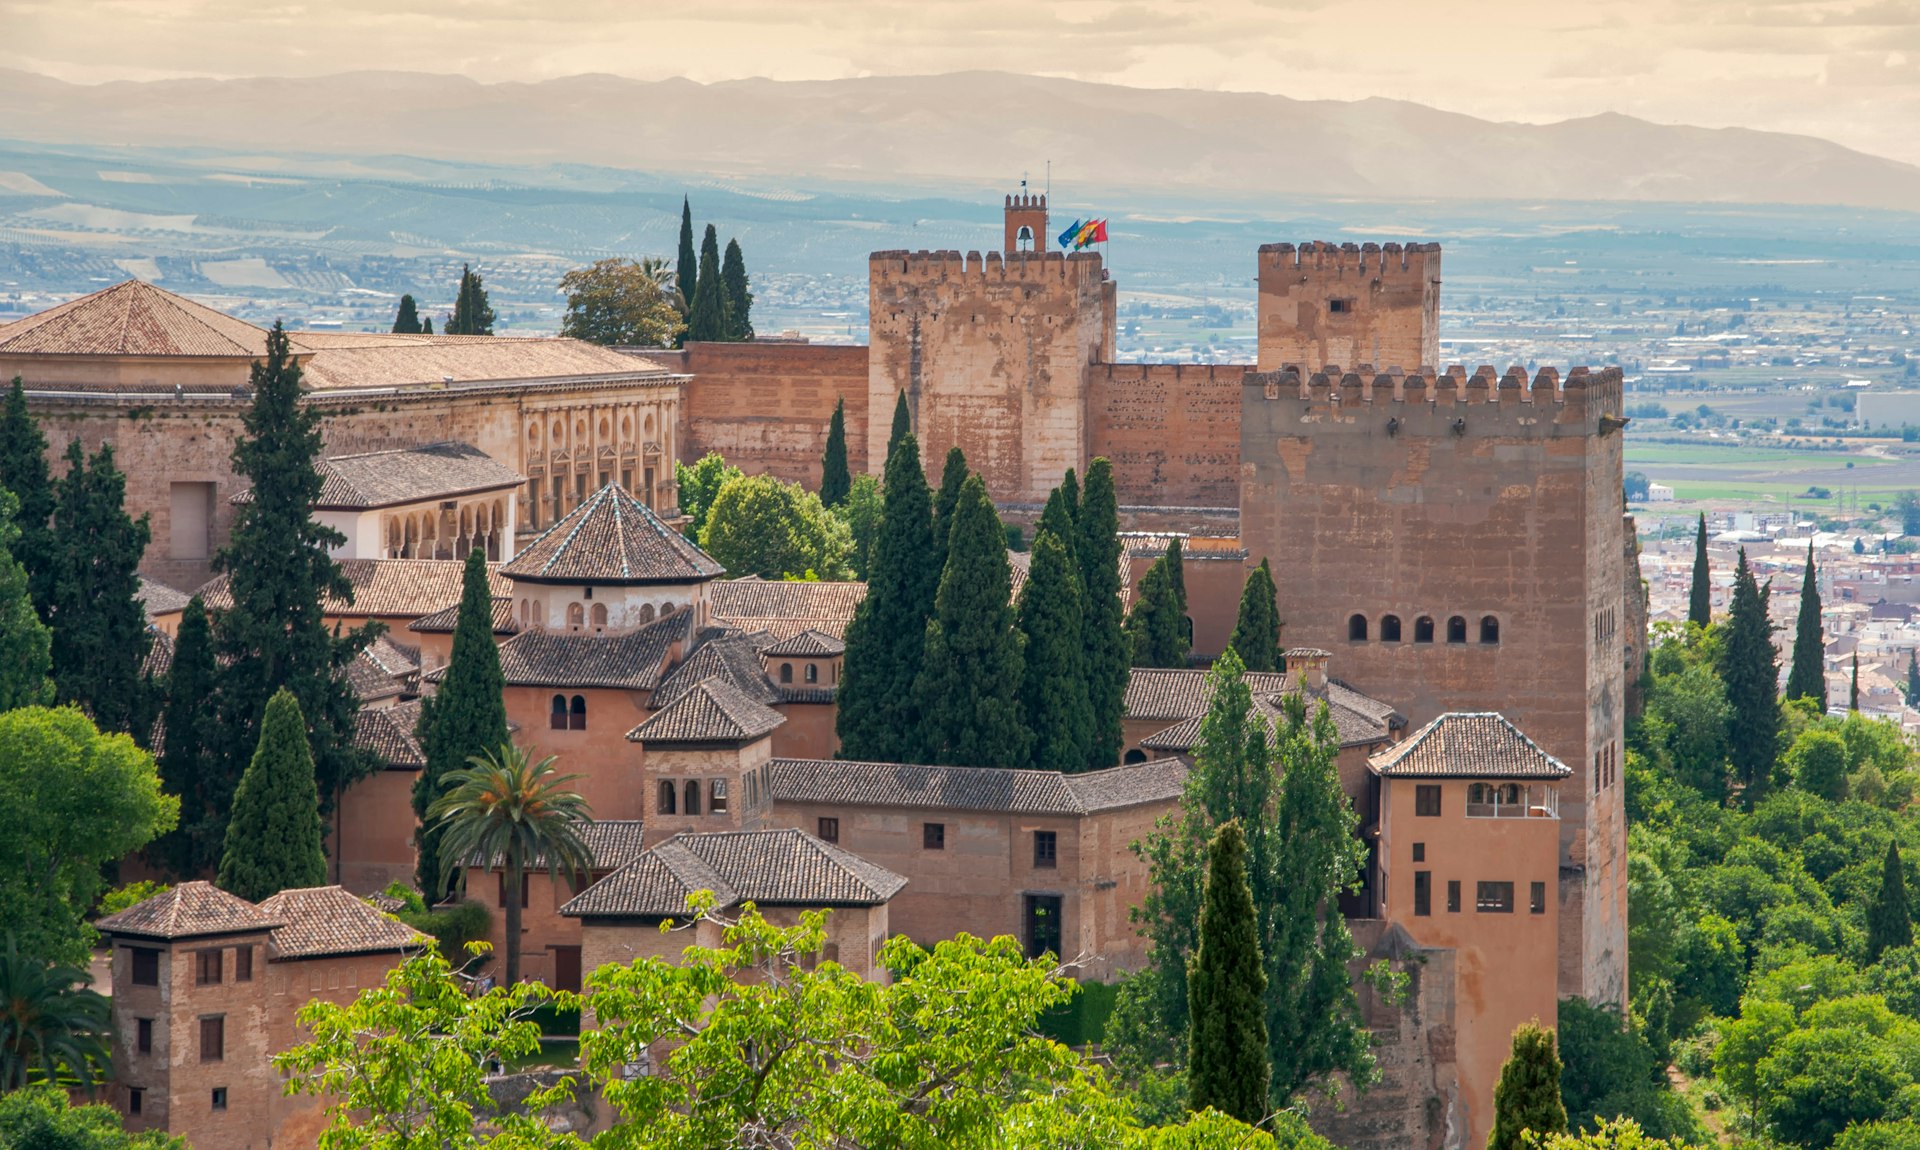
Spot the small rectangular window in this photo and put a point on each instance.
(1494, 898)
(1419, 852)
(1339, 306)
(136, 1099)
(190, 525)
(1426, 800)
(526, 881)
(213, 1039)
(933, 836)
(219, 1098)
(206, 967)
(146, 966)
(143, 1036)
(1422, 893)
(1537, 898)
(1453, 896)
(829, 830)
(1046, 851)
(243, 964)
(717, 797)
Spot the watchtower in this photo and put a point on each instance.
(1026, 223)
(1322, 303)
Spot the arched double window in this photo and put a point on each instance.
(786, 672)
(667, 797)
(646, 613)
(557, 714)
(693, 796)
(1390, 628)
(1457, 629)
(1357, 628)
(1423, 629)
(566, 715)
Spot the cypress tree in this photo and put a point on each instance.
(876, 718)
(1256, 633)
(1108, 654)
(1807, 676)
(733, 277)
(902, 423)
(407, 320)
(25, 656)
(472, 315)
(1749, 668)
(1527, 1097)
(467, 718)
(1227, 1066)
(426, 326)
(708, 321)
(1853, 690)
(1070, 494)
(189, 763)
(1889, 917)
(835, 478)
(1054, 694)
(952, 478)
(273, 836)
(100, 636)
(1058, 517)
(1913, 675)
(1177, 576)
(686, 269)
(1700, 597)
(1156, 625)
(968, 691)
(280, 572)
(23, 471)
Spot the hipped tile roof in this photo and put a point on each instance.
(133, 318)
(724, 655)
(809, 644)
(443, 621)
(611, 844)
(406, 475)
(840, 782)
(1173, 694)
(403, 588)
(1468, 745)
(711, 711)
(1357, 725)
(189, 910)
(322, 921)
(337, 360)
(159, 599)
(390, 734)
(612, 538)
(784, 609)
(631, 661)
(784, 867)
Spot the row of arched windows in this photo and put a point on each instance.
(687, 796)
(533, 613)
(568, 714)
(1358, 629)
(810, 673)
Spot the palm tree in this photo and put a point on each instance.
(504, 806)
(53, 1026)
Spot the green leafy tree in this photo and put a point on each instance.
(100, 636)
(1054, 695)
(863, 512)
(968, 691)
(1819, 1080)
(407, 320)
(189, 758)
(686, 268)
(759, 525)
(1750, 670)
(733, 278)
(472, 314)
(1157, 625)
(1889, 917)
(514, 812)
(1624, 1134)
(1177, 578)
(1611, 1070)
(1256, 633)
(616, 301)
(1901, 1135)
(698, 485)
(1226, 988)
(273, 836)
(1700, 594)
(835, 477)
(26, 646)
(1688, 712)
(1109, 652)
(468, 716)
(53, 1027)
(886, 639)
(707, 319)
(1070, 495)
(72, 800)
(1807, 676)
(902, 424)
(280, 573)
(1527, 1097)
(43, 1118)
(23, 471)
(1818, 759)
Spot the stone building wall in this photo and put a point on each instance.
(1324, 305)
(1172, 431)
(766, 406)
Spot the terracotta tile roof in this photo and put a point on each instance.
(844, 783)
(729, 656)
(611, 844)
(809, 644)
(785, 609)
(1468, 745)
(612, 538)
(190, 910)
(159, 660)
(442, 622)
(402, 588)
(711, 711)
(1153, 544)
(354, 360)
(1357, 727)
(406, 475)
(160, 599)
(382, 670)
(133, 318)
(1172, 694)
(632, 661)
(1160, 781)
(390, 735)
(772, 868)
(325, 920)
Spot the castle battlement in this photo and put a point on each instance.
(1032, 267)
(1027, 202)
(1341, 259)
(1601, 390)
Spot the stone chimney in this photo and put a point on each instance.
(1307, 667)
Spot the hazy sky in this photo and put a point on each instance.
(1848, 70)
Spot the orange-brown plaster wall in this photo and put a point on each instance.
(1171, 430)
(608, 764)
(373, 844)
(766, 406)
(808, 732)
(1389, 297)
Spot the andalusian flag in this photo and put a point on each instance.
(1067, 238)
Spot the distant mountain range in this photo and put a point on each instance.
(972, 127)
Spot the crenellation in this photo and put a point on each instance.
(1486, 386)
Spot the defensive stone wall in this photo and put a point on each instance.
(1323, 303)
(1172, 431)
(766, 406)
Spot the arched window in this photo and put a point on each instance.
(557, 717)
(646, 613)
(666, 609)
(1489, 630)
(693, 796)
(1135, 756)
(1423, 629)
(599, 614)
(576, 615)
(812, 673)
(667, 796)
(577, 714)
(1456, 630)
(1389, 628)
(1357, 627)
(786, 672)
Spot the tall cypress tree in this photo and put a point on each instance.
(687, 268)
(23, 471)
(472, 315)
(1070, 493)
(1156, 627)
(1177, 578)
(1256, 633)
(876, 717)
(1227, 1066)
(902, 423)
(1700, 597)
(407, 320)
(1059, 517)
(708, 321)
(1054, 693)
(1807, 676)
(189, 755)
(835, 478)
(968, 692)
(467, 718)
(1853, 688)
(733, 278)
(273, 837)
(280, 572)
(1749, 668)
(1527, 1097)
(1913, 675)
(100, 636)
(952, 478)
(25, 656)
(426, 325)
(1109, 656)
(1889, 916)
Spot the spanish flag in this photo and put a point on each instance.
(1094, 233)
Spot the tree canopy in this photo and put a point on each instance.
(1227, 1065)
(1700, 593)
(1054, 693)
(1807, 676)
(760, 525)
(1256, 631)
(707, 318)
(699, 484)
(274, 834)
(1526, 1100)
(734, 281)
(467, 717)
(406, 321)
(472, 314)
(968, 690)
(835, 478)
(886, 640)
(100, 636)
(1109, 655)
(619, 301)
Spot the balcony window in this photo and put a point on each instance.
(1494, 898)
(213, 1039)
(1513, 801)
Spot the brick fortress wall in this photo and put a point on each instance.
(766, 406)
(1171, 430)
(1324, 304)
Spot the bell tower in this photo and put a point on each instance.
(1026, 222)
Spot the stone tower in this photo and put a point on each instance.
(1026, 223)
(1349, 304)
(1460, 541)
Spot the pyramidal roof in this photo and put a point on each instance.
(189, 910)
(1469, 745)
(612, 538)
(711, 711)
(133, 318)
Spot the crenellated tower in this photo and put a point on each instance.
(1323, 303)
(1026, 223)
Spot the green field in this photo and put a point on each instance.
(1731, 475)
